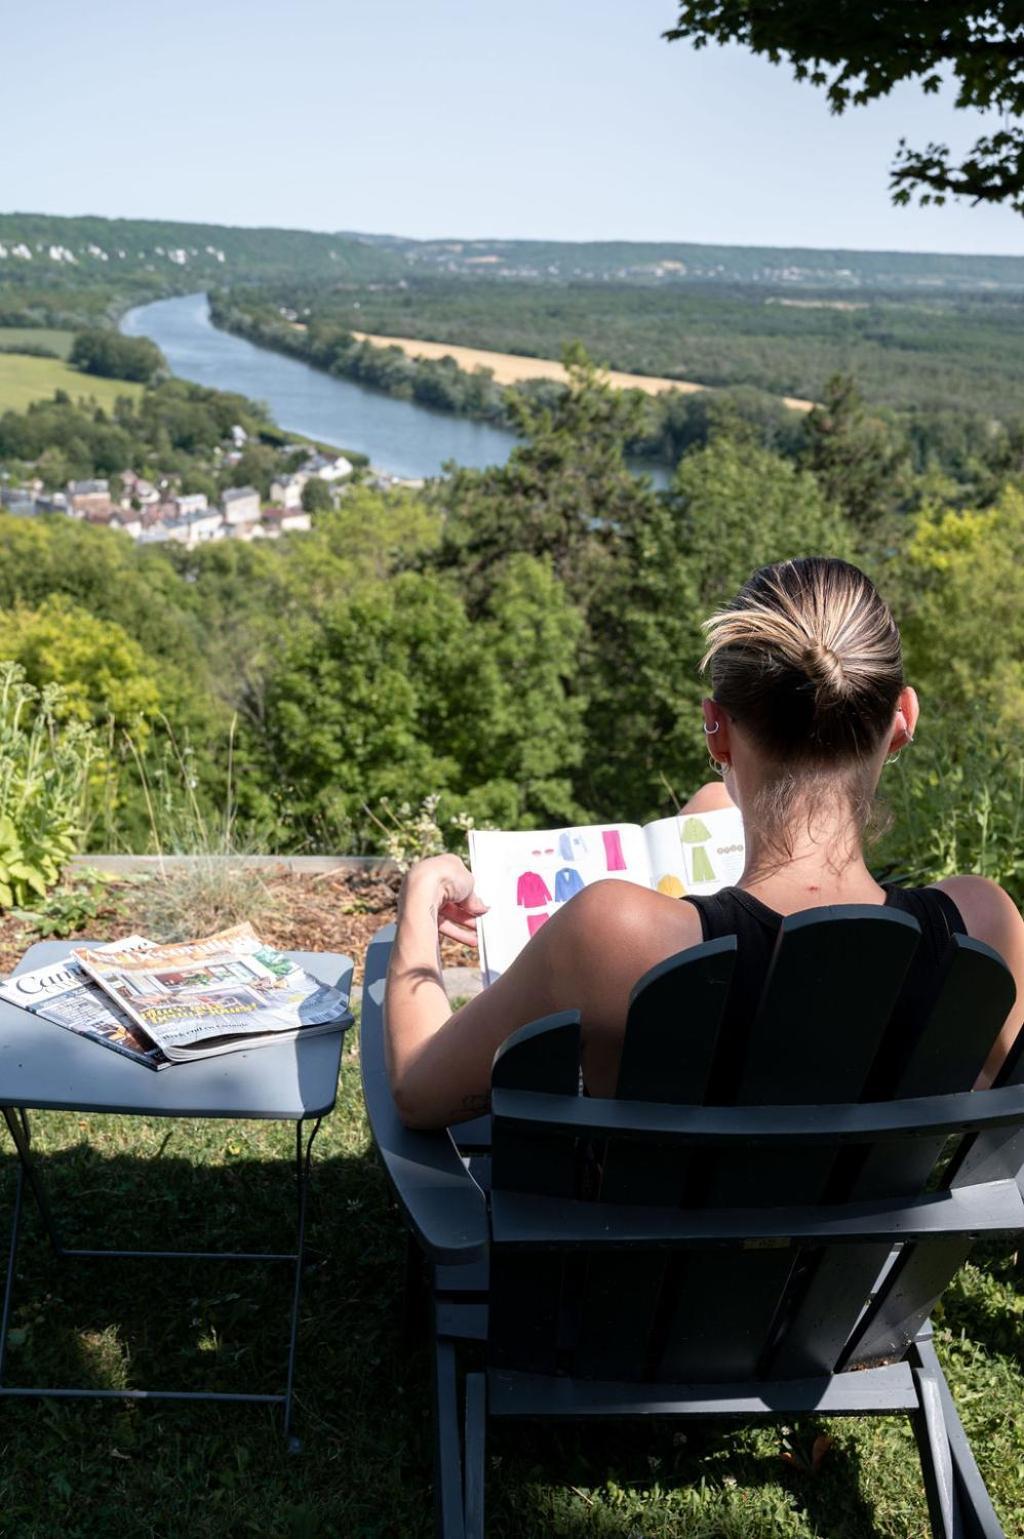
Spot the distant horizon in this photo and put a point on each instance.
(549, 240)
(580, 122)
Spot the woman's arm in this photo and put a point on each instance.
(991, 916)
(437, 898)
(587, 957)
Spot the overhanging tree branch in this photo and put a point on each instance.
(857, 52)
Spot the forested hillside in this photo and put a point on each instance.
(961, 352)
(58, 271)
(522, 641)
(678, 262)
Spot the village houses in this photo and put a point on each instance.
(158, 512)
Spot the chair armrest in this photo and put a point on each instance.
(443, 1205)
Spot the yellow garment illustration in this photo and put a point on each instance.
(671, 886)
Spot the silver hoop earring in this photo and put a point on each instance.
(894, 758)
(710, 731)
(718, 765)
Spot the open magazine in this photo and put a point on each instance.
(219, 995)
(65, 994)
(525, 877)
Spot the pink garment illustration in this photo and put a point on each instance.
(531, 891)
(613, 857)
(534, 922)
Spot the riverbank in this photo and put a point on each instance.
(671, 414)
(407, 439)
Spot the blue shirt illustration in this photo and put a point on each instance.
(567, 882)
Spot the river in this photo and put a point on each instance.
(398, 436)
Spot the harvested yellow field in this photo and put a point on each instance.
(511, 368)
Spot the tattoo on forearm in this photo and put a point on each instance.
(469, 1103)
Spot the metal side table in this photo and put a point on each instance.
(44, 1067)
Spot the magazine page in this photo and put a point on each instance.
(64, 994)
(228, 985)
(697, 852)
(526, 877)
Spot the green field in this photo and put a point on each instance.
(24, 380)
(14, 337)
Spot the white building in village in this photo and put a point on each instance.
(286, 491)
(278, 521)
(191, 502)
(241, 505)
(328, 467)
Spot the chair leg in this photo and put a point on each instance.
(936, 1462)
(475, 1445)
(977, 1514)
(448, 1487)
(414, 1296)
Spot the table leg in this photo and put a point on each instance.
(5, 1313)
(18, 1127)
(303, 1161)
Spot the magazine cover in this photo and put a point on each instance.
(198, 998)
(65, 994)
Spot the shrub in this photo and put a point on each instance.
(108, 354)
(44, 780)
(958, 806)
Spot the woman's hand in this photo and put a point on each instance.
(445, 883)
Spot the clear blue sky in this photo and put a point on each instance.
(561, 119)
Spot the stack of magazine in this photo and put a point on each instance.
(180, 1003)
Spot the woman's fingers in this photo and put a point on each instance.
(462, 913)
(459, 932)
(461, 921)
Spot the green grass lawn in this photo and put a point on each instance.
(217, 1472)
(24, 379)
(13, 337)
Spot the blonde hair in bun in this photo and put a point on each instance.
(807, 660)
(808, 656)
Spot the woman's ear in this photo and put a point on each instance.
(716, 732)
(905, 721)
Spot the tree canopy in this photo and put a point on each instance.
(107, 353)
(858, 53)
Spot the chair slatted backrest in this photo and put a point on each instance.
(673, 1005)
(526, 1291)
(826, 1030)
(947, 1054)
(922, 1270)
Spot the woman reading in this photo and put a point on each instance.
(808, 701)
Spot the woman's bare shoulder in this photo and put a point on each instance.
(981, 901)
(620, 918)
(989, 914)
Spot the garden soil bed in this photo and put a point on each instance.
(328, 911)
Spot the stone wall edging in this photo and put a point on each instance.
(309, 864)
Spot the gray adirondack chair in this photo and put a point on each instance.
(757, 1226)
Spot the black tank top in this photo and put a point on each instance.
(756, 927)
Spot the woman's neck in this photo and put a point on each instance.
(808, 864)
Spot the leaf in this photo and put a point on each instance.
(31, 878)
